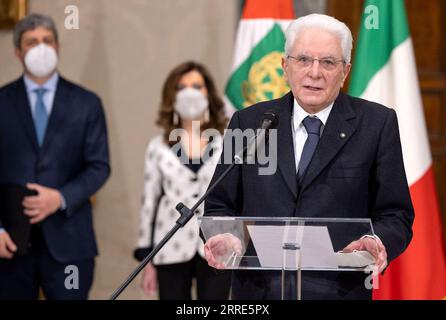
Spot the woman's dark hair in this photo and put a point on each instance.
(217, 118)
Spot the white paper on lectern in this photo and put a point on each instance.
(356, 259)
(317, 248)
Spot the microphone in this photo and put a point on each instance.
(269, 122)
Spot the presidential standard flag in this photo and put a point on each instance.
(257, 71)
(384, 71)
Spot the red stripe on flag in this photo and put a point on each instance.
(273, 9)
(420, 272)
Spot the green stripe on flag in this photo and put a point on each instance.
(260, 76)
(376, 45)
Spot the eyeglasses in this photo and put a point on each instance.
(328, 63)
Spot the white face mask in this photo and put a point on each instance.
(190, 103)
(41, 60)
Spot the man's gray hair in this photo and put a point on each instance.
(32, 22)
(324, 22)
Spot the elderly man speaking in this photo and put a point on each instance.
(338, 156)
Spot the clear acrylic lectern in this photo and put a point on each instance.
(288, 244)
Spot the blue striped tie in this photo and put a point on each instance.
(40, 115)
(313, 127)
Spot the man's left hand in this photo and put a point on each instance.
(372, 245)
(45, 203)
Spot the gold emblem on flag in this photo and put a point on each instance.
(265, 80)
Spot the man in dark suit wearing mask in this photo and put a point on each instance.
(337, 156)
(53, 141)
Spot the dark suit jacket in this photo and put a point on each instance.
(360, 175)
(74, 159)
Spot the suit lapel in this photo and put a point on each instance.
(23, 108)
(61, 101)
(337, 132)
(285, 145)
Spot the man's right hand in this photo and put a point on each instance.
(219, 248)
(7, 246)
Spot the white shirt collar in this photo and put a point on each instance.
(50, 85)
(299, 114)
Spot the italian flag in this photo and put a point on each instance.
(257, 73)
(385, 72)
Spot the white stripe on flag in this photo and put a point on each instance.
(249, 34)
(396, 86)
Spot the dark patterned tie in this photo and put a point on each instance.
(313, 127)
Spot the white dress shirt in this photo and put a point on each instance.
(48, 97)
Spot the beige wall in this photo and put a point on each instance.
(123, 51)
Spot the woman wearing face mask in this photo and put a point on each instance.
(179, 165)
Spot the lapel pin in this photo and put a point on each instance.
(342, 135)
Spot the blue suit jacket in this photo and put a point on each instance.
(357, 175)
(74, 159)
